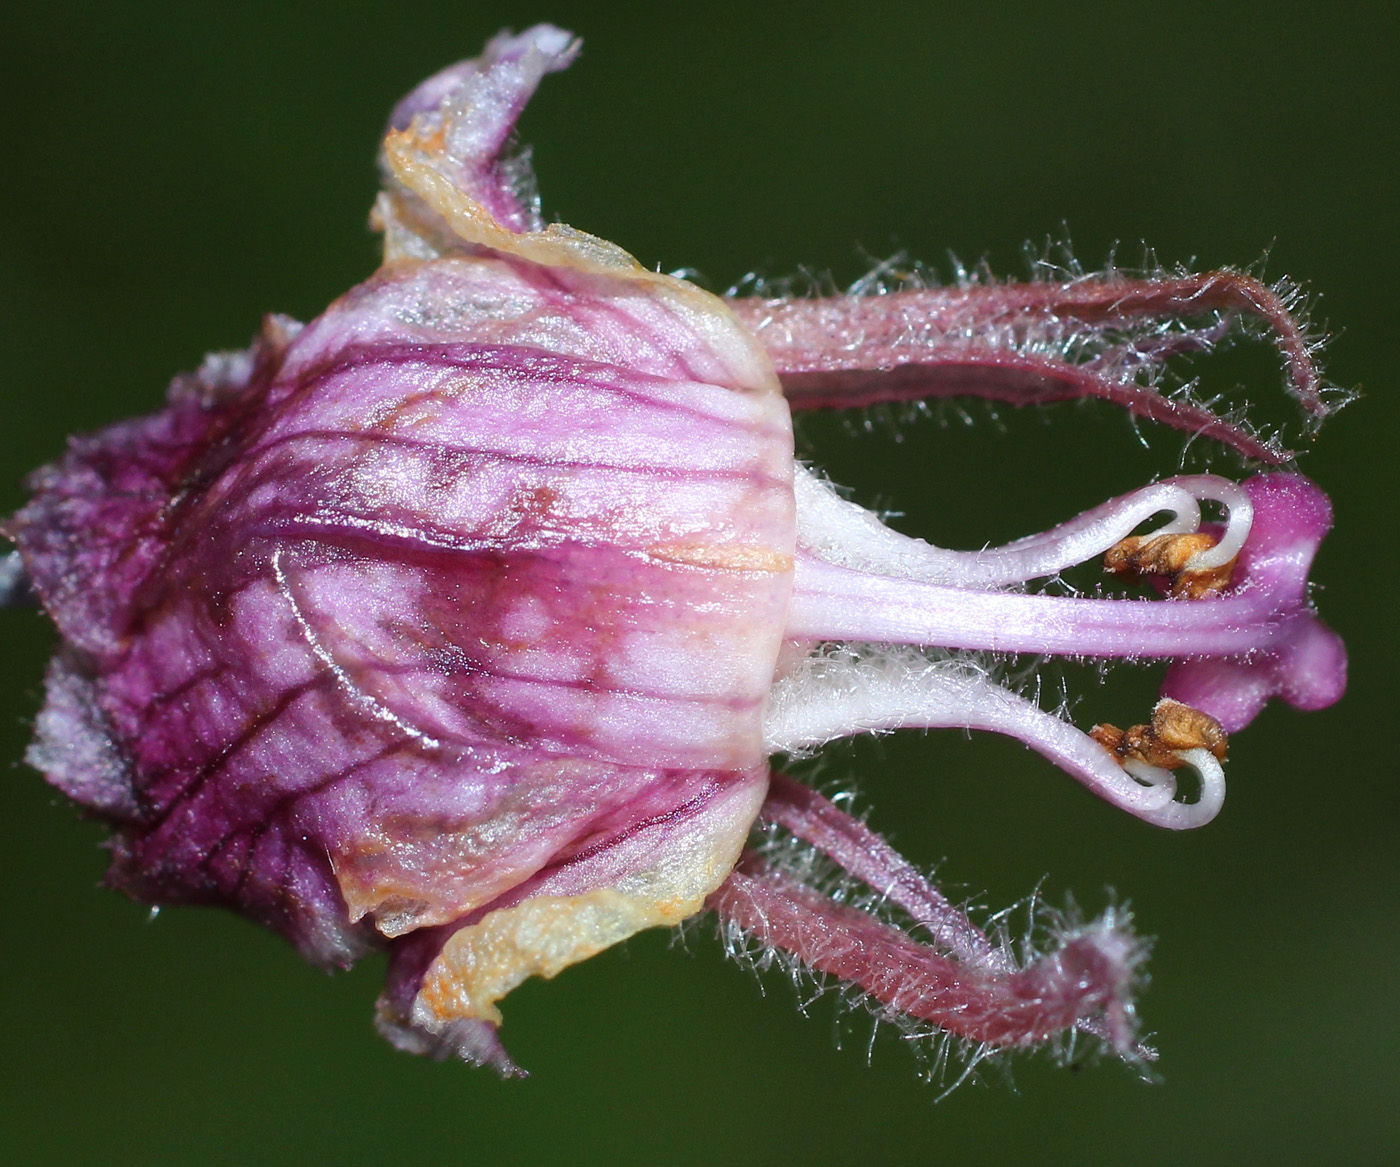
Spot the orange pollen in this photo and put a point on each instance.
(1169, 555)
(1175, 728)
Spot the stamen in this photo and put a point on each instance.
(842, 693)
(842, 533)
(1239, 520)
(1172, 556)
(1197, 564)
(1175, 730)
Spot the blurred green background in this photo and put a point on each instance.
(173, 170)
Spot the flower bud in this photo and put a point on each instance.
(462, 621)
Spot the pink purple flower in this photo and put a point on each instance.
(463, 621)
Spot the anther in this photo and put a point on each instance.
(1138, 556)
(1175, 728)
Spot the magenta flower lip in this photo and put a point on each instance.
(463, 621)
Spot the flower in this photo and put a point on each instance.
(463, 621)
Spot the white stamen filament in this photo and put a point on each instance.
(1239, 519)
(839, 532)
(842, 693)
